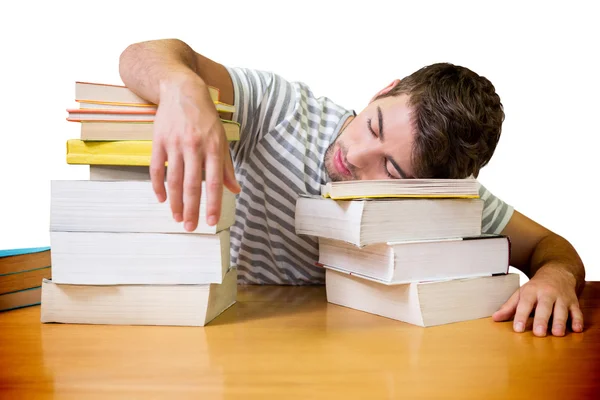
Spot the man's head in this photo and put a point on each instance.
(442, 121)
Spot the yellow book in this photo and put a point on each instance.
(112, 152)
(402, 188)
(126, 152)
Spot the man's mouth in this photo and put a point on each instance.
(340, 166)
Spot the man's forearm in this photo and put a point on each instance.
(145, 67)
(555, 252)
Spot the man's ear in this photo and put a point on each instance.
(386, 89)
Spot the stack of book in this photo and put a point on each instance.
(21, 273)
(118, 256)
(411, 250)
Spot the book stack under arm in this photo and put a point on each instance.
(411, 249)
(116, 130)
(118, 256)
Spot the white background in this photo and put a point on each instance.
(542, 58)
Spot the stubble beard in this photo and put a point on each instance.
(330, 168)
(328, 162)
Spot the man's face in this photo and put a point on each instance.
(376, 144)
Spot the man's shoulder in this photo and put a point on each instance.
(303, 97)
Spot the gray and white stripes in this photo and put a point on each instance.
(285, 131)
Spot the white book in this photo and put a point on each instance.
(419, 260)
(423, 303)
(121, 173)
(108, 258)
(125, 206)
(364, 222)
(182, 305)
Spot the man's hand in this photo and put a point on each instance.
(551, 292)
(190, 137)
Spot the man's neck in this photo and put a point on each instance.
(350, 118)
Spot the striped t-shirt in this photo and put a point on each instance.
(285, 131)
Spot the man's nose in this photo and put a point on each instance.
(362, 156)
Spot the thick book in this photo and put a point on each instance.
(173, 305)
(402, 188)
(109, 258)
(125, 206)
(415, 261)
(364, 222)
(123, 130)
(424, 303)
(102, 93)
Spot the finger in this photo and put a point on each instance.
(157, 170)
(527, 301)
(576, 317)
(507, 310)
(175, 184)
(192, 187)
(229, 179)
(543, 311)
(214, 181)
(559, 319)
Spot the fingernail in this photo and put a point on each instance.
(519, 327)
(189, 226)
(578, 327)
(178, 217)
(540, 330)
(212, 220)
(558, 330)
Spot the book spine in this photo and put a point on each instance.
(509, 253)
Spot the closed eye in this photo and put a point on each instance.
(385, 159)
(387, 171)
(371, 128)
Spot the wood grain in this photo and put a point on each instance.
(288, 342)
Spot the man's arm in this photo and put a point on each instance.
(146, 66)
(188, 133)
(556, 273)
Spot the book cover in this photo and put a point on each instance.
(21, 251)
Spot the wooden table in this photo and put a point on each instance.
(288, 343)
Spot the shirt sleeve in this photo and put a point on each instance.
(263, 100)
(496, 213)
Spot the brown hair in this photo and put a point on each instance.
(458, 119)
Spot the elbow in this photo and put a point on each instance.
(126, 59)
(135, 52)
(154, 45)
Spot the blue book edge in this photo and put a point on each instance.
(24, 250)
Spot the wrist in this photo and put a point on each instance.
(561, 270)
(175, 81)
